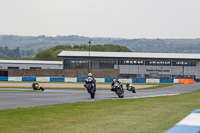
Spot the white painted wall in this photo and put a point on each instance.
(70, 79)
(43, 79)
(152, 80)
(176, 80)
(14, 78)
(125, 80)
(100, 80)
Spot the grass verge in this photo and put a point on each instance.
(154, 115)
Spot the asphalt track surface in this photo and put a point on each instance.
(18, 99)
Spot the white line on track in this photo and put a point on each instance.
(152, 96)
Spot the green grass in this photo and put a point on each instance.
(150, 115)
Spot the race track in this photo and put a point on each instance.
(16, 99)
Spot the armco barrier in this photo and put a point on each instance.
(166, 80)
(14, 78)
(55, 79)
(139, 80)
(70, 79)
(3, 78)
(43, 79)
(108, 80)
(80, 79)
(28, 78)
(190, 124)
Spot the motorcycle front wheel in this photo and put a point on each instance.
(42, 89)
(120, 92)
(133, 90)
(92, 94)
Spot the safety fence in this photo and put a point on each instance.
(103, 80)
(190, 124)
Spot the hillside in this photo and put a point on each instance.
(30, 45)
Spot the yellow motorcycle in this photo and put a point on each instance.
(37, 86)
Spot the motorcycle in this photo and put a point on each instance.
(118, 90)
(37, 86)
(131, 87)
(89, 84)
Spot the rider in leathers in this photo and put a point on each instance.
(90, 75)
(120, 83)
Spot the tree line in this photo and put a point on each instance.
(51, 53)
(6, 53)
(13, 53)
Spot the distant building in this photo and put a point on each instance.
(136, 65)
(30, 64)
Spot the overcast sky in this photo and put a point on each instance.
(101, 18)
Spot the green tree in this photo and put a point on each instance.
(51, 54)
(45, 55)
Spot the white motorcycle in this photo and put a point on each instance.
(131, 87)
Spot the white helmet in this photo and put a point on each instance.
(89, 74)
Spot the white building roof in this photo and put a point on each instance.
(128, 55)
(30, 62)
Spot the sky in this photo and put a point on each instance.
(101, 18)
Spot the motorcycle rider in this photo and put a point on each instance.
(90, 75)
(127, 85)
(112, 84)
(35, 85)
